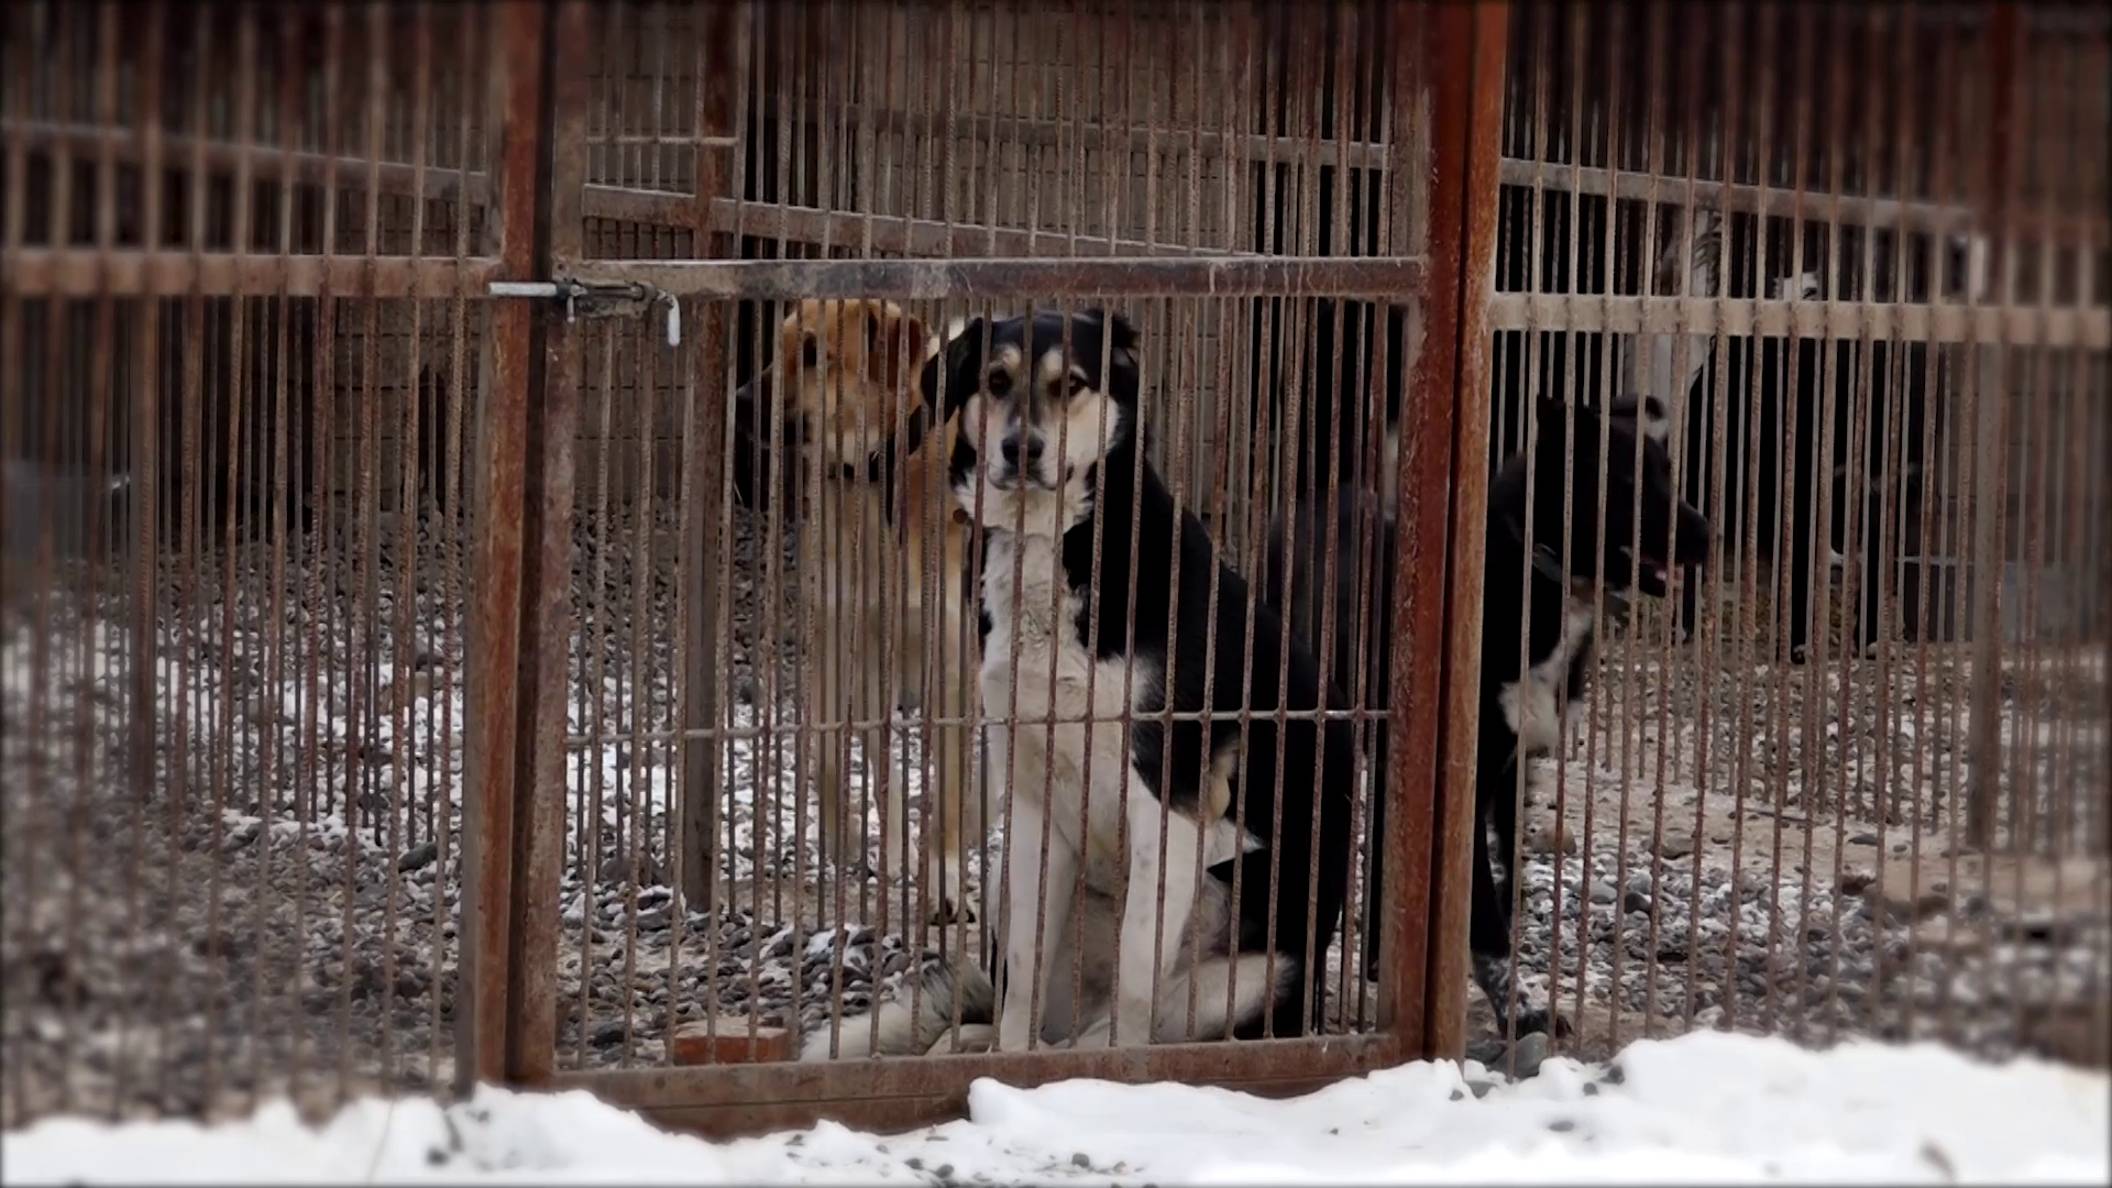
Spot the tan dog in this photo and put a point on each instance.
(850, 369)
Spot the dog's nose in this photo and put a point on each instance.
(1011, 449)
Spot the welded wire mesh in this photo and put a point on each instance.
(238, 404)
(1850, 778)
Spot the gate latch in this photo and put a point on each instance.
(600, 299)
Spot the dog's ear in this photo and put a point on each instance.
(959, 363)
(898, 345)
(1121, 335)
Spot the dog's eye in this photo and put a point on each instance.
(1075, 385)
(999, 383)
(809, 352)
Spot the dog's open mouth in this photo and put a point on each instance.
(1651, 574)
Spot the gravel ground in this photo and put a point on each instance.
(281, 911)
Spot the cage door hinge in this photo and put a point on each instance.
(600, 299)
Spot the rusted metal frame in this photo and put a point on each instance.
(2000, 179)
(794, 221)
(16, 91)
(2040, 830)
(1895, 321)
(636, 845)
(745, 104)
(1655, 131)
(1735, 197)
(1352, 88)
(402, 806)
(225, 763)
(546, 626)
(1812, 545)
(1343, 97)
(79, 732)
(593, 674)
(1926, 600)
(1861, 531)
(723, 1100)
(518, 80)
(147, 374)
(722, 39)
(271, 777)
(805, 753)
(1578, 36)
(160, 272)
(1958, 465)
(973, 764)
(1241, 32)
(363, 717)
(319, 697)
(1529, 419)
(1437, 635)
(1299, 81)
(456, 524)
(1118, 133)
(1022, 279)
(1744, 565)
(1610, 261)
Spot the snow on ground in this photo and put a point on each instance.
(1706, 1107)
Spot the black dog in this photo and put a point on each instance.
(1521, 708)
(1769, 462)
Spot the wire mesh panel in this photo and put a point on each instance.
(1846, 775)
(785, 809)
(239, 399)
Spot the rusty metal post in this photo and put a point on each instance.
(513, 371)
(546, 567)
(1991, 449)
(1442, 494)
(725, 27)
(1475, 220)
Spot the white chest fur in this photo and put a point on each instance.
(1034, 614)
(1532, 705)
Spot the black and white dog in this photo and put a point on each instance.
(1082, 626)
(1541, 592)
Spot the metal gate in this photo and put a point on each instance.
(639, 793)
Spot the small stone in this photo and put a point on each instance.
(1079, 1160)
(418, 857)
(1528, 1054)
(1562, 1125)
(1863, 839)
(1675, 845)
(607, 1035)
(1604, 892)
(1635, 902)
(1551, 836)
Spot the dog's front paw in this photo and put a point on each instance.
(1132, 1021)
(1543, 1021)
(950, 909)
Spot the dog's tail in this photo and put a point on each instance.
(915, 1020)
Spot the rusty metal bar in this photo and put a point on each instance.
(552, 432)
(491, 729)
(722, 41)
(121, 272)
(2019, 325)
(1437, 635)
(742, 1099)
(1022, 279)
